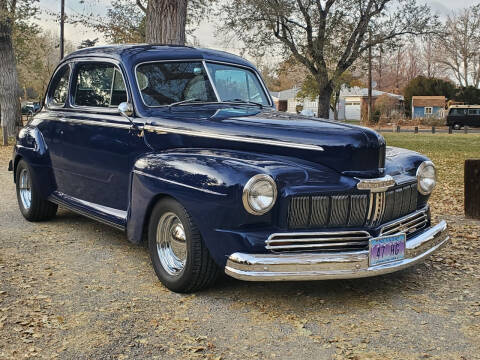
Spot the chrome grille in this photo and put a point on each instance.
(320, 210)
(408, 224)
(370, 210)
(339, 212)
(318, 241)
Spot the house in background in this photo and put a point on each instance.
(428, 106)
(352, 100)
(355, 99)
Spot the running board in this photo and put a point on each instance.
(108, 216)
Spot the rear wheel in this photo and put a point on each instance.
(179, 256)
(457, 126)
(32, 206)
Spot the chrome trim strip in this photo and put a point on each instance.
(211, 81)
(138, 172)
(164, 130)
(96, 123)
(323, 266)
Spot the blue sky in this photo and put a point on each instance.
(204, 33)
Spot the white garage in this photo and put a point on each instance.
(353, 108)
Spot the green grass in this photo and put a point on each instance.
(449, 153)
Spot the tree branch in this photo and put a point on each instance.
(141, 6)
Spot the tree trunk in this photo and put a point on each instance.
(165, 22)
(325, 91)
(335, 106)
(9, 90)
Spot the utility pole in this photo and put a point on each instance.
(62, 25)
(370, 98)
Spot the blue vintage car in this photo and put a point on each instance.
(182, 147)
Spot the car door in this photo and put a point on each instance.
(98, 146)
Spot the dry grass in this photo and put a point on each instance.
(449, 153)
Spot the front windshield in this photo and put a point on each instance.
(235, 83)
(165, 83)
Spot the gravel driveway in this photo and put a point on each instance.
(72, 288)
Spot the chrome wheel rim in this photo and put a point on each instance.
(25, 189)
(171, 243)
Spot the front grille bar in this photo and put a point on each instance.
(409, 224)
(370, 210)
(324, 241)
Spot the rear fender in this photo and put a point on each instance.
(32, 148)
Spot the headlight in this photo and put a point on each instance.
(259, 194)
(426, 178)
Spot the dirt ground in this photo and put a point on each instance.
(72, 288)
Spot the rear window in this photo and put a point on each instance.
(59, 87)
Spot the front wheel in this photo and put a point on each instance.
(456, 126)
(32, 206)
(179, 256)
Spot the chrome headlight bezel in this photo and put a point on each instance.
(247, 192)
(420, 177)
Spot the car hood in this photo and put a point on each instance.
(349, 149)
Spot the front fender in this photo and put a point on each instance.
(209, 184)
(400, 161)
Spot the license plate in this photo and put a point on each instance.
(386, 249)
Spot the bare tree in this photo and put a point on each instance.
(431, 55)
(460, 50)
(327, 37)
(11, 11)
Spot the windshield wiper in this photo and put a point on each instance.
(187, 101)
(241, 102)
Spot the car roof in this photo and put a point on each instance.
(137, 53)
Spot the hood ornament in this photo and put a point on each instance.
(376, 185)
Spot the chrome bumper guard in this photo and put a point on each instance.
(324, 266)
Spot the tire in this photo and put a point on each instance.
(456, 126)
(32, 206)
(179, 256)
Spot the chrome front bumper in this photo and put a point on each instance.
(324, 266)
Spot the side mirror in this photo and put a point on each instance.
(125, 109)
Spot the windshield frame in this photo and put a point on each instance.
(212, 84)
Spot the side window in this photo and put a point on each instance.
(458, 112)
(59, 88)
(99, 85)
